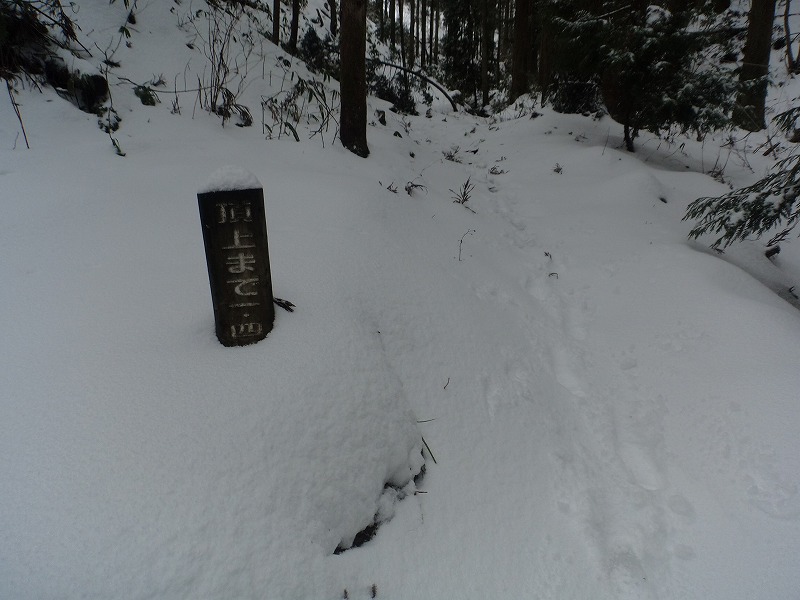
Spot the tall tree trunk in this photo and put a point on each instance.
(628, 137)
(545, 70)
(473, 33)
(499, 28)
(415, 5)
(422, 23)
(353, 77)
(392, 27)
(521, 49)
(412, 46)
(276, 22)
(534, 29)
(436, 34)
(432, 10)
(792, 64)
(486, 34)
(504, 20)
(294, 26)
(417, 37)
(509, 29)
(402, 35)
(749, 111)
(334, 18)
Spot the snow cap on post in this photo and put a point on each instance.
(229, 178)
(234, 227)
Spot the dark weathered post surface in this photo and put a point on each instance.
(235, 237)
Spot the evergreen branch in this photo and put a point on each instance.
(757, 208)
(752, 210)
(787, 119)
(791, 222)
(604, 16)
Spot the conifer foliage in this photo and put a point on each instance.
(770, 204)
(460, 46)
(647, 61)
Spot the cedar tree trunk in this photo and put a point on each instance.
(521, 49)
(749, 112)
(294, 26)
(276, 22)
(334, 18)
(353, 78)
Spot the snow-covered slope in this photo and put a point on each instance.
(612, 409)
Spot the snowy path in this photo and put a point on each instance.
(613, 410)
(600, 394)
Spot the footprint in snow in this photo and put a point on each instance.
(640, 466)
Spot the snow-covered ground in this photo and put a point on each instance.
(613, 410)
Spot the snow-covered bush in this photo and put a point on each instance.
(30, 32)
(320, 55)
(228, 34)
(653, 67)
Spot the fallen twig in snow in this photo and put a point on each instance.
(284, 304)
(428, 448)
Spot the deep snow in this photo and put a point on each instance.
(613, 409)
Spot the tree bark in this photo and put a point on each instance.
(334, 18)
(520, 50)
(750, 109)
(402, 34)
(294, 26)
(353, 78)
(534, 27)
(545, 70)
(486, 32)
(791, 63)
(432, 10)
(416, 35)
(412, 31)
(276, 22)
(392, 27)
(508, 30)
(436, 33)
(422, 23)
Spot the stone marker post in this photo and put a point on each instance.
(235, 237)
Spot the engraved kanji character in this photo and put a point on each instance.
(230, 212)
(240, 241)
(240, 290)
(241, 262)
(246, 330)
